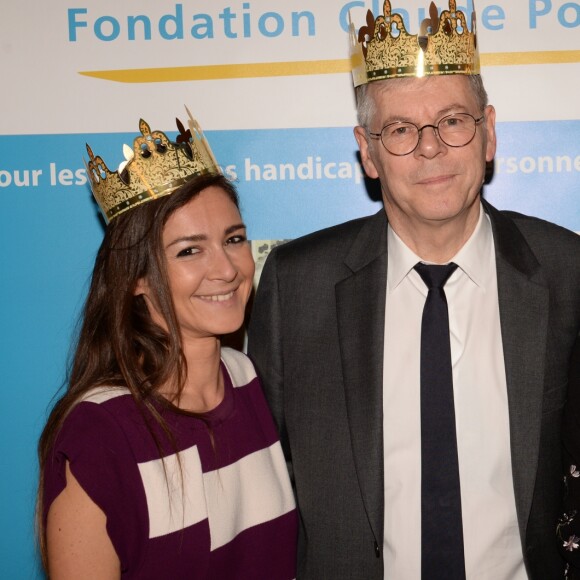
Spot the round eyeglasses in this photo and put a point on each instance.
(402, 138)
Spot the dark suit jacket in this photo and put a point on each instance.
(316, 336)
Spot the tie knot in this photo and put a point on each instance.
(434, 275)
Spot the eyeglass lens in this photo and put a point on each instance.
(454, 130)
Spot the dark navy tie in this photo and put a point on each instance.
(442, 555)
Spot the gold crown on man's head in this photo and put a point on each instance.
(384, 49)
(154, 167)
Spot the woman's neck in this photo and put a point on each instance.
(203, 389)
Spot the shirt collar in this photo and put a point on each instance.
(473, 258)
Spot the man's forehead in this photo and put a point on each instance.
(420, 100)
(428, 90)
(437, 83)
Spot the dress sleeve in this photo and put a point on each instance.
(568, 529)
(100, 457)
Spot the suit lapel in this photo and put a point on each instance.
(524, 307)
(360, 303)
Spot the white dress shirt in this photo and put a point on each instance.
(491, 536)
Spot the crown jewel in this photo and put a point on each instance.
(154, 167)
(384, 49)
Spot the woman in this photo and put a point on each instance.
(162, 460)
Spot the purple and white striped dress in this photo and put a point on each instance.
(222, 510)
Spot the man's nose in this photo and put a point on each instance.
(430, 143)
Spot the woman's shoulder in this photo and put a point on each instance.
(98, 409)
(104, 419)
(103, 435)
(240, 368)
(99, 412)
(102, 394)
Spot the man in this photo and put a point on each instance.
(336, 333)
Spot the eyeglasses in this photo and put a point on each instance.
(402, 138)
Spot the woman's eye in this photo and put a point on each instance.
(236, 239)
(187, 252)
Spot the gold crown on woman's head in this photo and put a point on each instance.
(383, 49)
(154, 167)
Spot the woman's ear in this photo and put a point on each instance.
(142, 287)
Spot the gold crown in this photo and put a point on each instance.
(384, 49)
(154, 167)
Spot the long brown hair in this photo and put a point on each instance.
(118, 343)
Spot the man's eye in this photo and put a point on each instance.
(453, 121)
(399, 131)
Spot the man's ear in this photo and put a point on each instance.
(362, 139)
(491, 141)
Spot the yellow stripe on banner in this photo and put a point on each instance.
(313, 67)
(223, 71)
(537, 57)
